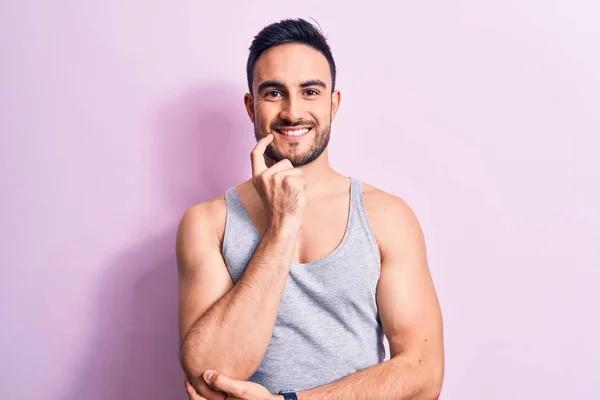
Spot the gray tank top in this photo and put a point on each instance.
(328, 326)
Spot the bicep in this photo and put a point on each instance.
(202, 274)
(408, 304)
(408, 308)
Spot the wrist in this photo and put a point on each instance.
(284, 228)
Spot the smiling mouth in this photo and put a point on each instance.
(293, 132)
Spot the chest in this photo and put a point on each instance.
(325, 226)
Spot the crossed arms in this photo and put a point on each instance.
(214, 313)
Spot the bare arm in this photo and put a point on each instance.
(224, 326)
(409, 311)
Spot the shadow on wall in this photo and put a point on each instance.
(204, 143)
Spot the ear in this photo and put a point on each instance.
(249, 102)
(336, 98)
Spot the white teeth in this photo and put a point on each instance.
(296, 132)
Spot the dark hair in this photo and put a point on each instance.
(289, 31)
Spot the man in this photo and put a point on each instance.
(289, 281)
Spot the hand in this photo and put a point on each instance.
(282, 188)
(206, 392)
(192, 394)
(236, 390)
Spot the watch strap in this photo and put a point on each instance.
(288, 395)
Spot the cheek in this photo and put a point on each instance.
(321, 111)
(265, 113)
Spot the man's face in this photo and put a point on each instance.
(292, 99)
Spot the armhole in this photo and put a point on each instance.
(369, 226)
(225, 242)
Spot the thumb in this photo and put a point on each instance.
(221, 383)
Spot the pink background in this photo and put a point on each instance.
(484, 116)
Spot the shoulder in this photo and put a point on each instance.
(392, 219)
(382, 206)
(201, 225)
(205, 214)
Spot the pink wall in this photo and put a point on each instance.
(115, 116)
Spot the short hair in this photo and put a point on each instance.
(288, 31)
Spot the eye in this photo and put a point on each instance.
(311, 92)
(273, 93)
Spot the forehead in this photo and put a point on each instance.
(291, 64)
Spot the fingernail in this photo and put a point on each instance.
(208, 375)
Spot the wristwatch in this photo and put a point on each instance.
(288, 395)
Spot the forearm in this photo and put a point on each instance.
(234, 334)
(401, 378)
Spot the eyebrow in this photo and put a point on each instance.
(280, 85)
(269, 84)
(314, 82)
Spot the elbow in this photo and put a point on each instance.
(195, 360)
(190, 360)
(433, 389)
(433, 392)
(428, 391)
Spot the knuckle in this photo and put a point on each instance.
(290, 180)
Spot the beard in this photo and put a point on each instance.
(316, 148)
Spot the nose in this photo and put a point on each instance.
(290, 110)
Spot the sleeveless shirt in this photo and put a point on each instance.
(328, 324)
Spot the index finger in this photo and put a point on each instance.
(257, 156)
